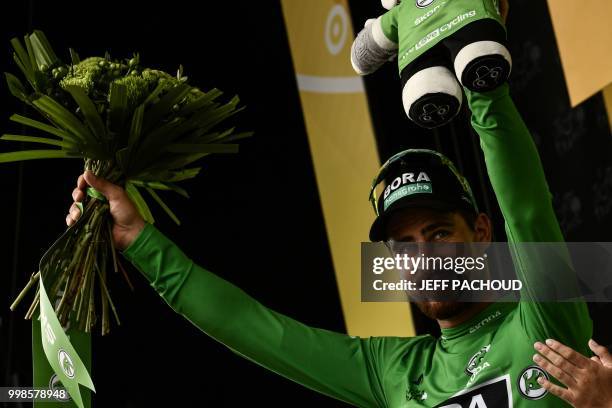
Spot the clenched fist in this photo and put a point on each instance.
(127, 222)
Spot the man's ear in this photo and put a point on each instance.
(483, 230)
(389, 4)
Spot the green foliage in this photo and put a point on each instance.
(145, 122)
(137, 127)
(85, 75)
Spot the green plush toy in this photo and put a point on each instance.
(440, 45)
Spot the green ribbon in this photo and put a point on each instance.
(60, 353)
(43, 374)
(62, 357)
(92, 192)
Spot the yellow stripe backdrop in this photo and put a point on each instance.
(584, 38)
(343, 150)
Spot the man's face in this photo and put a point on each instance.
(429, 226)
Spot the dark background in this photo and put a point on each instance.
(241, 47)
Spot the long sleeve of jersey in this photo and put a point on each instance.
(332, 363)
(517, 177)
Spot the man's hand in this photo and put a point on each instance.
(588, 381)
(127, 222)
(504, 8)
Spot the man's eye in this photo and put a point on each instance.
(440, 234)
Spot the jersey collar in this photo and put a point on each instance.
(491, 315)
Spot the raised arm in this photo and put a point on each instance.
(514, 167)
(331, 363)
(517, 177)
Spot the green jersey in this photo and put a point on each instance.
(485, 362)
(418, 25)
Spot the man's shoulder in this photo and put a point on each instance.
(398, 345)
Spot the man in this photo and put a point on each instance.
(484, 357)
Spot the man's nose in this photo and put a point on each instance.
(414, 248)
(421, 246)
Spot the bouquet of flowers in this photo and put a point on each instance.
(137, 127)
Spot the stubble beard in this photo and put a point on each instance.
(441, 310)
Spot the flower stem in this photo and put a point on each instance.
(33, 279)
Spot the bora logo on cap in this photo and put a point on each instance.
(405, 178)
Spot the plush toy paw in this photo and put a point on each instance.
(371, 49)
(434, 110)
(483, 66)
(432, 97)
(389, 4)
(368, 22)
